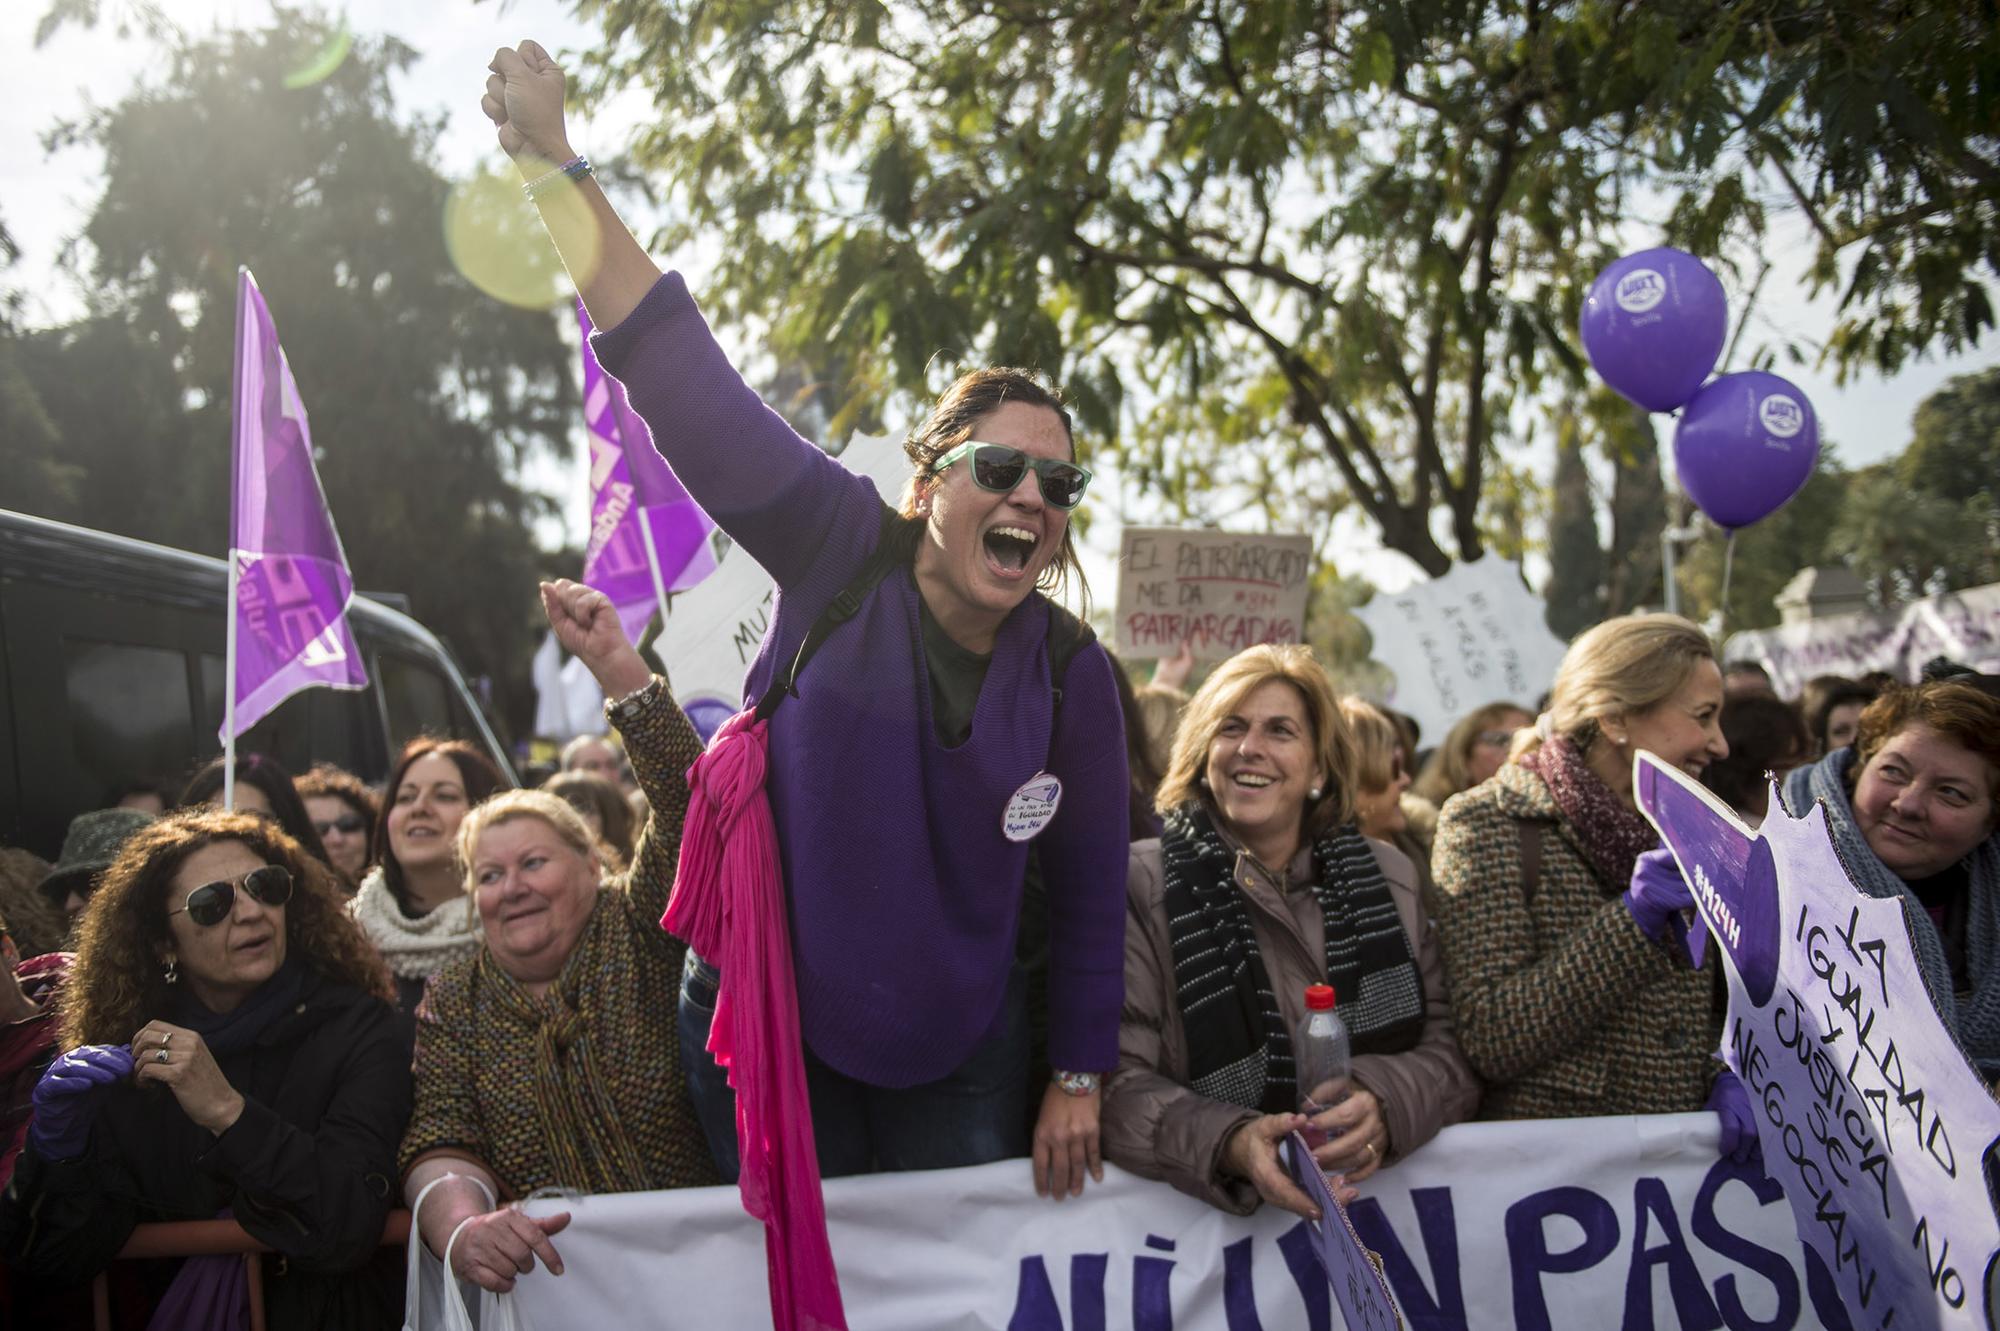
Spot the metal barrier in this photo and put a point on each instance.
(211, 1238)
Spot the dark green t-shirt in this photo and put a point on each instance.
(956, 676)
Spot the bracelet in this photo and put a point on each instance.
(576, 168)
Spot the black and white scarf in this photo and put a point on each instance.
(1239, 1050)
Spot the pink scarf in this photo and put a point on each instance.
(729, 904)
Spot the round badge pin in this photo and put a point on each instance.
(1032, 808)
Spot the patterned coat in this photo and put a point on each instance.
(1564, 1007)
(489, 1056)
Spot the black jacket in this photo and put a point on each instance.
(309, 1168)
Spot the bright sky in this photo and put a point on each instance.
(44, 199)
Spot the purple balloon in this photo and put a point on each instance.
(1653, 325)
(1745, 445)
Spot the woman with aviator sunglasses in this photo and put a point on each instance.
(922, 719)
(232, 1052)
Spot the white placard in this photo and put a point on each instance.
(1455, 643)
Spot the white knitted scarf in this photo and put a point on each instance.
(415, 948)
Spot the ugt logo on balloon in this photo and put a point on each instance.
(1640, 290)
(1781, 415)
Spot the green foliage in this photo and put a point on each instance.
(1955, 446)
(1348, 240)
(425, 396)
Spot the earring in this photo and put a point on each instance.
(1202, 781)
(172, 970)
(1313, 794)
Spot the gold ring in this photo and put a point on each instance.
(1371, 1149)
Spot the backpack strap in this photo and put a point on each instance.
(896, 545)
(1067, 636)
(1530, 833)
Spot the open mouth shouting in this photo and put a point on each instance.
(1010, 550)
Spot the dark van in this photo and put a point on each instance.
(111, 672)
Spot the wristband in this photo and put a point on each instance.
(576, 168)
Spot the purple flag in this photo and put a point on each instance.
(288, 627)
(630, 485)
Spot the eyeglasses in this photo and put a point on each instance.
(998, 468)
(348, 824)
(211, 903)
(1499, 739)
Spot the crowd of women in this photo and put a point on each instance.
(1032, 912)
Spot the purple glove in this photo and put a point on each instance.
(64, 1099)
(1658, 895)
(1731, 1104)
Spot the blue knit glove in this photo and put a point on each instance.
(66, 1099)
(1658, 895)
(1731, 1104)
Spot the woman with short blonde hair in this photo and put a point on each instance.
(1261, 886)
(1573, 993)
(542, 1059)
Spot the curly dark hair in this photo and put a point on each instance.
(116, 984)
(326, 780)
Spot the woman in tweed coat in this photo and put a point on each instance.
(1573, 994)
(543, 1059)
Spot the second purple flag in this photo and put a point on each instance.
(289, 615)
(634, 494)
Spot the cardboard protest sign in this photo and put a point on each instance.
(1219, 591)
(1359, 1291)
(1455, 643)
(1879, 1130)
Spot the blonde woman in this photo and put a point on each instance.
(1573, 993)
(1261, 864)
(544, 1059)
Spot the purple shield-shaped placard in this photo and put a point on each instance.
(1358, 1288)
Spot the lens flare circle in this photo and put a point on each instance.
(497, 240)
(332, 53)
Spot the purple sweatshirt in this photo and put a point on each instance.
(905, 896)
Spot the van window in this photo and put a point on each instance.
(417, 698)
(129, 709)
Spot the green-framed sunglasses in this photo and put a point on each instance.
(998, 468)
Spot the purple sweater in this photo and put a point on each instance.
(905, 897)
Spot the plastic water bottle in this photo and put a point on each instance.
(1320, 1053)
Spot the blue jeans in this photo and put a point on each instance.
(973, 1115)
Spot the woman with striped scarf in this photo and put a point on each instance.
(1260, 886)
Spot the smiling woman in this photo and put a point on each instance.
(1913, 807)
(929, 711)
(1574, 996)
(233, 1052)
(545, 1059)
(410, 903)
(1263, 867)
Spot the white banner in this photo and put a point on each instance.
(1962, 625)
(1581, 1223)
